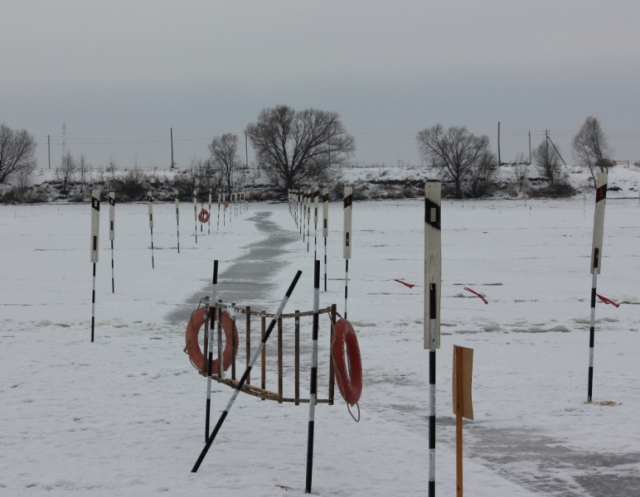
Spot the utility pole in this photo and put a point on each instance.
(172, 164)
(499, 162)
(49, 149)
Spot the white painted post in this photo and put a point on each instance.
(112, 222)
(316, 198)
(150, 203)
(209, 221)
(195, 213)
(347, 241)
(596, 265)
(177, 200)
(431, 322)
(325, 229)
(94, 250)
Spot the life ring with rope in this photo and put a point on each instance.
(347, 363)
(204, 216)
(193, 347)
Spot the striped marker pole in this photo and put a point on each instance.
(432, 283)
(195, 213)
(313, 389)
(218, 226)
(212, 310)
(209, 221)
(325, 229)
(177, 200)
(224, 212)
(299, 204)
(150, 203)
(596, 265)
(347, 241)
(316, 198)
(112, 237)
(95, 235)
(246, 373)
(308, 213)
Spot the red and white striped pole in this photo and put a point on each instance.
(347, 241)
(177, 201)
(112, 221)
(95, 236)
(596, 265)
(150, 203)
(432, 284)
(325, 229)
(245, 375)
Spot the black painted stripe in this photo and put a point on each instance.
(601, 193)
(428, 206)
(293, 284)
(432, 432)
(432, 367)
(348, 200)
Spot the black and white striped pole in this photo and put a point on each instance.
(150, 203)
(224, 212)
(313, 389)
(209, 220)
(347, 242)
(177, 200)
(246, 373)
(95, 238)
(432, 283)
(218, 225)
(213, 311)
(308, 213)
(316, 198)
(300, 216)
(596, 265)
(195, 213)
(325, 229)
(112, 237)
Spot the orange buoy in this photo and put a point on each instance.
(346, 361)
(193, 347)
(203, 217)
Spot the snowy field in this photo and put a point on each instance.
(124, 416)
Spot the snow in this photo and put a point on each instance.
(125, 415)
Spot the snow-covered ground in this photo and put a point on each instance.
(125, 415)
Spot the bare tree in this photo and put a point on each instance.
(547, 161)
(66, 172)
(521, 172)
(294, 147)
(17, 150)
(224, 157)
(590, 146)
(459, 156)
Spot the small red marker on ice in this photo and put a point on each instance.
(476, 294)
(405, 284)
(606, 300)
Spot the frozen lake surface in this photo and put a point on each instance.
(125, 415)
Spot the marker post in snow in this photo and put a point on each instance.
(224, 212)
(432, 283)
(212, 311)
(308, 211)
(313, 389)
(209, 220)
(325, 229)
(112, 222)
(150, 203)
(347, 242)
(195, 214)
(246, 373)
(218, 225)
(596, 265)
(177, 200)
(95, 235)
(316, 198)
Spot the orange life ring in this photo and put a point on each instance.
(347, 362)
(193, 347)
(203, 217)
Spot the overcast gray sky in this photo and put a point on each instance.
(120, 73)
